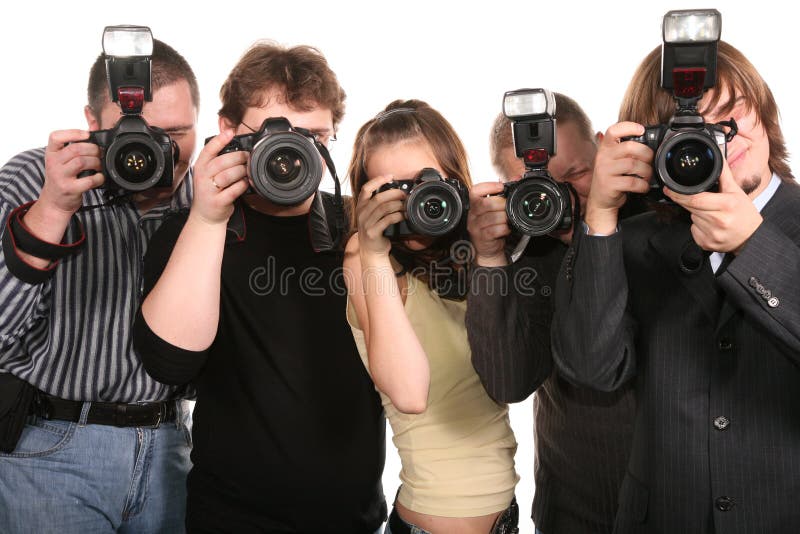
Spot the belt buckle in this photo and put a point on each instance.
(162, 413)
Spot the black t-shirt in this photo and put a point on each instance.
(289, 433)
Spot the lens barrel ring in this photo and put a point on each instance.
(519, 211)
(434, 208)
(689, 143)
(132, 145)
(292, 149)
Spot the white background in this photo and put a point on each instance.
(458, 57)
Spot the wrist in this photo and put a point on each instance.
(602, 221)
(46, 221)
(491, 260)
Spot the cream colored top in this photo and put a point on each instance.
(458, 456)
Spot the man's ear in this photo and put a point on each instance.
(91, 120)
(598, 137)
(225, 124)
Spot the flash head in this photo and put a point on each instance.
(529, 103)
(128, 50)
(689, 51)
(692, 26)
(127, 41)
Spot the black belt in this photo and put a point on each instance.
(105, 413)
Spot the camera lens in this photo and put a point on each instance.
(285, 168)
(689, 162)
(285, 165)
(434, 208)
(536, 205)
(135, 162)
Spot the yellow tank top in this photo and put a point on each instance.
(458, 456)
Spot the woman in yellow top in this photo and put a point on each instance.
(455, 443)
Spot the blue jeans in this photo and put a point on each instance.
(77, 478)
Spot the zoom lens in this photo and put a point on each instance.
(536, 206)
(285, 168)
(135, 162)
(285, 165)
(689, 162)
(434, 208)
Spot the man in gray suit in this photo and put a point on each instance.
(700, 306)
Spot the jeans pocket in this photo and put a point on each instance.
(41, 437)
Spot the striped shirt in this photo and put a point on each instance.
(71, 335)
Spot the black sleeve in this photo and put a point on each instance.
(508, 326)
(593, 331)
(163, 361)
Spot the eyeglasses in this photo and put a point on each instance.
(324, 137)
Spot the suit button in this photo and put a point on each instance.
(724, 504)
(773, 302)
(721, 422)
(725, 344)
(753, 281)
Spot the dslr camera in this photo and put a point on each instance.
(435, 206)
(688, 152)
(536, 204)
(285, 162)
(135, 155)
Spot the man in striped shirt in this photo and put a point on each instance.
(105, 447)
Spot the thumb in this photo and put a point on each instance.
(727, 183)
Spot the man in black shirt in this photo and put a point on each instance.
(249, 307)
(582, 436)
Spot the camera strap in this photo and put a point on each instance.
(338, 203)
(26, 241)
(576, 208)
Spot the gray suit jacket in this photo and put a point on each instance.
(716, 361)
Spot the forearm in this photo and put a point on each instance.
(397, 361)
(593, 333)
(762, 280)
(183, 307)
(510, 346)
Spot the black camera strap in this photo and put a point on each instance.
(338, 202)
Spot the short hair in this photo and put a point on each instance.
(567, 111)
(301, 72)
(408, 120)
(646, 102)
(167, 68)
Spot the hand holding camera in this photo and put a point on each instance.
(219, 179)
(723, 221)
(487, 224)
(66, 155)
(377, 210)
(619, 169)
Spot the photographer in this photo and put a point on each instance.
(289, 433)
(697, 305)
(91, 442)
(582, 436)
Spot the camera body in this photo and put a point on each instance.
(135, 155)
(688, 151)
(435, 205)
(688, 155)
(536, 204)
(286, 165)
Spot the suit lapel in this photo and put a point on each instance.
(675, 245)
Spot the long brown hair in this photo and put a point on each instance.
(647, 103)
(404, 120)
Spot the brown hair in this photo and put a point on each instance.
(647, 103)
(300, 71)
(404, 120)
(167, 68)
